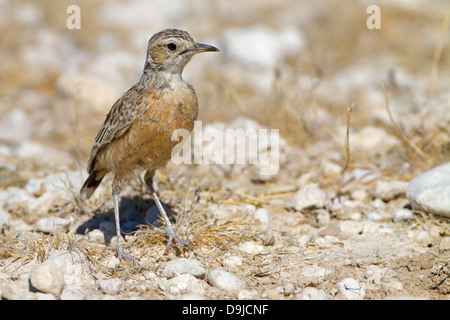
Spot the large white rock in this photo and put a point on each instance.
(225, 280)
(48, 277)
(430, 191)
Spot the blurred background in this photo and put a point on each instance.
(287, 64)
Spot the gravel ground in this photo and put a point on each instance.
(359, 221)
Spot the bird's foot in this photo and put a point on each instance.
(122, 255)
(170, 233)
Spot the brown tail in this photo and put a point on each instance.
(91, 184)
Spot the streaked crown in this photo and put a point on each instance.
(171, 49)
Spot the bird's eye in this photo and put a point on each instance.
(172, 46)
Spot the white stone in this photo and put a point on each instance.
(227, 211)
(311, 293)
(303, 240)
(326, 240)
(74, 264)
(53, 225)
(388, 190)
(323, 216)
(422, 236)
(394, 284)
(263, 215)
(351, 289)
(35, 187)
(370, 227)
(248, 295)
(430, 191)
(310, 197)
(372, 138)
(314, 273)
(225, 280)
(351, 227)
(4, 219)
(444, 244)
(250, 247)
(186, 283)
(97, 236)
(48, 277)
(111, 286)
(190, 296)
(402, 215)
(182, 265)
(232, 261)
(374, 216)
(377, 276)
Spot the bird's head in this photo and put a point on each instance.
(171, 49)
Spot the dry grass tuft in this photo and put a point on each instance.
(37, 247)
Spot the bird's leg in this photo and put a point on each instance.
(170, 232)
(120, 251)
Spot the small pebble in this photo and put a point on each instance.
(229, 211)
(370, 227)
(4, 219)
(402, 215)
(248, 295)
(35, 187)
(96, 236)
(351, 227)
(312, 273)
(374, 216)
(232, 261)
(311, 293)
(111, 286)
(273, 294)
(351, 289)
(186, 283)
(310, 197)
(263, 215)
(250, 247)
(323, 216)
(444, 244)
(225, 280)
(388, 190)
(182, 265)
(190, 296)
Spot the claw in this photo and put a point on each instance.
(122, 255)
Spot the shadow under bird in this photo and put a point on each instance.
(137, 131)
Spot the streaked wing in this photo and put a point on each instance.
(119, 119)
